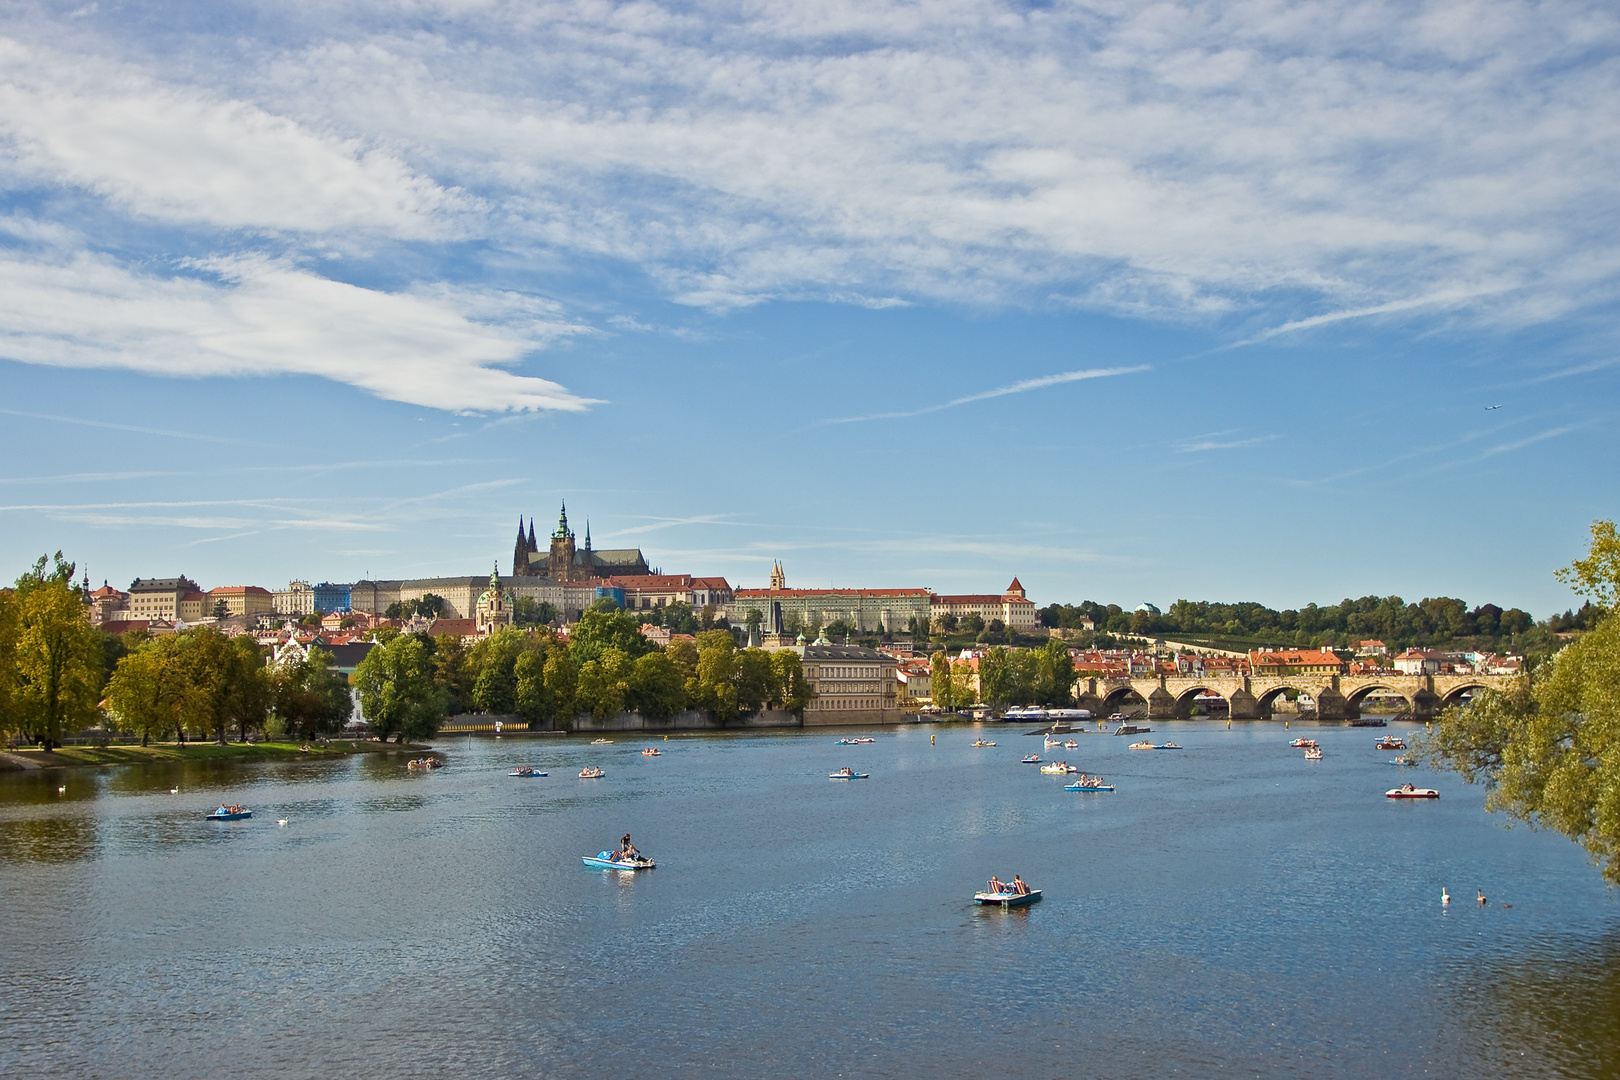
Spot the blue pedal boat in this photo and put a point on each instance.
(229, 814)
(1088, 787)
(606, 861)
(847, 774)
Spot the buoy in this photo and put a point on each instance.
(930, 740)
(1445, 897)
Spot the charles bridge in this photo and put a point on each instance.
(1250, 697)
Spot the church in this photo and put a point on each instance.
(568, 562)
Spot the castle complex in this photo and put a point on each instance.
(566, 562)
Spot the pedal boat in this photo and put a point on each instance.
(1032, 759)
(1058, 768)
(229, 813)
(981, 742)
(526, 770)
(1313, 754)
(847, 774)
(1404, 759)
(857, 741)
(601, 742)
(1007, 899)
(591, 772)
(1407, 791)
(650, 752)
(1082, 786)
(606, 861)
(1391, 742)
(1302, 742)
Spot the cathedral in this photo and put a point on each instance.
(568, 562)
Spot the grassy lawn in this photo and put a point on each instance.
(198, 751)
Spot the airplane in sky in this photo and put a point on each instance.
(1488, 408)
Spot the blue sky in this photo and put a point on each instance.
(1134, 302)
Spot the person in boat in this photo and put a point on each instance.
(996, 885)
(1019, 887)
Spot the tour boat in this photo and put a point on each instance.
(601, 742)
(981, 742)
(1391, 742)
(230, 813)
(1093, 783)
(1032, 759)
(1007, 899)
(607, 861)
(650, 752)
(1407, 791)
(1313, 754)
(847, 773)
(1302, 741)
(525, 770)
(591, 772)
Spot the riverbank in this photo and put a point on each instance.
(68, 757)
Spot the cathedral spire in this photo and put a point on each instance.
(562, 532)
(587, 534)
(532, 545)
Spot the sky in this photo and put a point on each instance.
(1284, 302)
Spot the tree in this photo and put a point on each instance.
(792, 688)
(997, 684)
(714, 688)
(939, 681)
(604, 683)
(755, 619)
(604, 626)
(1597, 575)
(657, 686)
(227, 683)
(1547, 749)
(222, 610)
(57, 656)
(561, 678)
(756, 680)
(398, 694)
(146, 693)
(495, 661)
(311, 697)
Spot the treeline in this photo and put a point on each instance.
(1390, 619)
(1041, 676)
(410, 682)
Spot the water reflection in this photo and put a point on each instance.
(55, 838)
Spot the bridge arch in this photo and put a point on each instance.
(1122, 697)
(1185, 700)
(1362, 693)
(1266, 699)
(1456, 694)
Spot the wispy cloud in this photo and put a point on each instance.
(1022, 387)
(1214, 442)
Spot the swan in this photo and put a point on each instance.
(1482, 899)
(62, 790)
(281, 821)
(174, 791)
(1445, 897)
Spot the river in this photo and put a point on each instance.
(1231, 910)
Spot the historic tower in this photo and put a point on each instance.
(778, 576)
(562, 549)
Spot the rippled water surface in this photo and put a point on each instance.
(1231, 910)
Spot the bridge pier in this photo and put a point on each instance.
(1331, 705)
(1243, 705)
(1162, 704)
(1089, 699)
(1426, 703)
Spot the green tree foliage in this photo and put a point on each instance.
(398, 693)
(453, 671)
(428, 605)
(939, 680)
(561, 680)
(229, 684)
(495, 662)
(714, 687)
(56, 656)
(792, 689)
(147, 693)
(527, 611)
(605, 626)
(311, 697)
(203, 683)
(1549, 751)
(1597, 575)
(756, 681)
(657, 686)
(604, 683)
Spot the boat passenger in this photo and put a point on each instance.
(995, 885)
(1019, 887)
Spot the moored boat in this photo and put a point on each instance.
(525, 770)
(1407, 791)
(612, 860)
(230, 813)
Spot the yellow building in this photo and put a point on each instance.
(241, 600)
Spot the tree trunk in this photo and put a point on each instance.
(145, 739)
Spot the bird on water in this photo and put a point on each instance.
(1482, 899)
(1445, 897)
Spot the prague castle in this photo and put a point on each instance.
(566, 562)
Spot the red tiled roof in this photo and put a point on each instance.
(652, 582)
(983, 598)
(711, 583)
(461, 627)
(237, 590)
(788, 594)
(1294, 657)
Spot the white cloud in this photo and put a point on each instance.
(257, 317)
(188, 154)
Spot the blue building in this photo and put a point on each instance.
(330, 598)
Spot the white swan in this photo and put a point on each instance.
(1482, 899)
(1445, 897)
(281, 821)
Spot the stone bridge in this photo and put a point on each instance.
(1337, 697)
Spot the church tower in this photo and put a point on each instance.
(562, 549)
(520, 553)
(778, 576)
